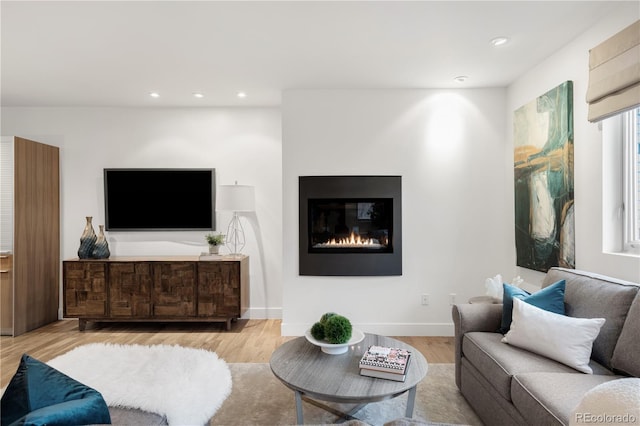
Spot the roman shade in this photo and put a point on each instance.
(614, 74)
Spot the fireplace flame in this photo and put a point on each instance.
(353, 240)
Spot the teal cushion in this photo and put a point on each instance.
(41, 395)
(550, 299)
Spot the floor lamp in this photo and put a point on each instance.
(235, 198)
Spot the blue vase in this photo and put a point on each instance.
(101, 247)
(87, 240)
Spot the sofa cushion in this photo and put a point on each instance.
(498, 362)
(39, 394)
(590, 295)
(488, 404)
(550, 298)
(625, 356)
(564, 339)
(551, 397)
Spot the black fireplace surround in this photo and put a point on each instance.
(350, 225)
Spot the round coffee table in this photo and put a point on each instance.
(305, 369)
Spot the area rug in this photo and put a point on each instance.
(185, 385)
(259, 398)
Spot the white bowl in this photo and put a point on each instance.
(357, 336)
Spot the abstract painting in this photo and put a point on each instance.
(543, 172)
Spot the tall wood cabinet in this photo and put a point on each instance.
(29, 235)
(156, 289)
(6, 293)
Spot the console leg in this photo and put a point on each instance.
(82, 324)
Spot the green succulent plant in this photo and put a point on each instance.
(337, 329)
(214, 239)
(317, 331)
(326, 316)
(332, 328)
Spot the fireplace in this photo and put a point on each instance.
(350, 225)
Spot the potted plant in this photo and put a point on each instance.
(214, 241)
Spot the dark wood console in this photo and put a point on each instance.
(156, 289)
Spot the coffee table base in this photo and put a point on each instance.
(299, 396)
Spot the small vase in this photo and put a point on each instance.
(213, 249)
(87, 240)
(101, 247)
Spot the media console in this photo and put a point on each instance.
(163, 289)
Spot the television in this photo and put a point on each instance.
(159, 199)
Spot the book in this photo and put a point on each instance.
(382, 358)
(383, 375)
(207, 256)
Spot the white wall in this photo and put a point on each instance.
(449, 148)
(572, 63)
(241, 144)
(453, 149)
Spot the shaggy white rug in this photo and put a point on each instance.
(184, 384)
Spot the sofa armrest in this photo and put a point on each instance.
(473, 317)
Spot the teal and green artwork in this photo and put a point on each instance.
(543, 172)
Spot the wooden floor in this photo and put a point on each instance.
(247, 341)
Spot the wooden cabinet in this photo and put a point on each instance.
(156, 289)
(6, 294)
(220, 288)
(29, 235)
(174, 289)
(85, 289)
(130, 286)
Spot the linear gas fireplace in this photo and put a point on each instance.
(350, 225)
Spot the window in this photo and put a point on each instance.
(621, 183)
(631, 179)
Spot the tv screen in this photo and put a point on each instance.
(159, 199)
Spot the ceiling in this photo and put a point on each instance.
(114, 53)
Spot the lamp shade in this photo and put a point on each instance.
(236, 198)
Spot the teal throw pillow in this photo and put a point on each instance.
(41, 395)
(550, 299)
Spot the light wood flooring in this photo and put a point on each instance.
(247, 341)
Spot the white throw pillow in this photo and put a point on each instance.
(564, 339)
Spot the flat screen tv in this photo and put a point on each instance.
(159, 199)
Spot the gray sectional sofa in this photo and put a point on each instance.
(507, 385)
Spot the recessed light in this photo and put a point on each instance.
(499, 41)
(198, 95)
(242, 95)
(154, 94)
(461, 78)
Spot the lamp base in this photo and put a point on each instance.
(235, 239)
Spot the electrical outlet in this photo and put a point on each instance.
(424, 299)
(452, 298)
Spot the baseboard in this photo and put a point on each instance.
(263, 313)
(383, 329)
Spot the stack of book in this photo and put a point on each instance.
(385, 363)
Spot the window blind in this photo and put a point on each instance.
(614, 74)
